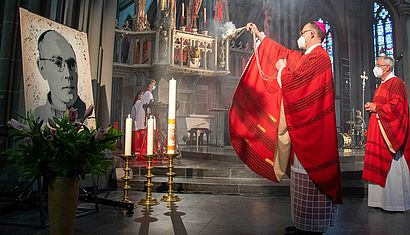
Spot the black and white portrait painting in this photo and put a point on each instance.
(56, 67)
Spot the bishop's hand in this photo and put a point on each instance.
(252, 27)
(280, 64)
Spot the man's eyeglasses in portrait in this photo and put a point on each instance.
(60, 63)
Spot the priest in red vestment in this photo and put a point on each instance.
(284, 107)
(387, 156)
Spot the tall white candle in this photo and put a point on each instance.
(163, 4)
(183, 10)
(150, 136)
(128, 135)
(171, 116)
(204, 14)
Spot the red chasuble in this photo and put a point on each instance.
(393, 113)
(254, 114)
(308, 99)
(310, 116)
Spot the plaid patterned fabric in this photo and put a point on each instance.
(311, 210)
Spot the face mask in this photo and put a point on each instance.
(302, 42)
(153, 87)
(378, 72)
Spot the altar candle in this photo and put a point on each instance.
(171, 116)
(204, 14)
(128, 135)
(163, 4)
(183, 10)
(150, 136)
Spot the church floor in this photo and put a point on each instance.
(216, 214)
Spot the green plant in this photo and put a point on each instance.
(61, 147)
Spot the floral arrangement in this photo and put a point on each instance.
(62, 147)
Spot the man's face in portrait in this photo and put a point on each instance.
(57, 64)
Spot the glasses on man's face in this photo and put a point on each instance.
(382, 65)
(305, 31)
(60, 64)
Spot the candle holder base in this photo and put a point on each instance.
(170, 196)
(149, 200)
(205, 32)
(126, 178)
(182, 28)
(194, 30)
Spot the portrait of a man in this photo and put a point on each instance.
(57, 65)
(56, 68)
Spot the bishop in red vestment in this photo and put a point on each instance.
(301, 100)
(387, 156)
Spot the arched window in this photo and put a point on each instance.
(328, 42)
(382, 30)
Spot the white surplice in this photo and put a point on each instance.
(395, 196)
(138, 116)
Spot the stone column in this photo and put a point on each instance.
(101, 26)
(404, 11)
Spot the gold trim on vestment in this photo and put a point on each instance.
(261, 128)
(389, 145)
(272, 118)
(269, 161)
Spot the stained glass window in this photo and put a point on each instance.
(327, 44)
(382, 30)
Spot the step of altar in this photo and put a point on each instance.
(205, 161)
(238, 186)
(209, 171)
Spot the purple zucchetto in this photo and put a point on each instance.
(321, 26)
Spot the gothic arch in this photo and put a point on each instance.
(329, 13)
(333, 16)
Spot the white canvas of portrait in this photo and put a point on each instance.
(56, 67)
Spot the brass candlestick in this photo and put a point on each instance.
(194, 28)
(182, 23)
(170, 196)
(149, 200)
(126, 178)
(204, 31)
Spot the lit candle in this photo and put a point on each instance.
(171, 116)
(128, 136)
(204, 14)
(183, 10)
(150, 136)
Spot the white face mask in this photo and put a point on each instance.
(378, 72)
(153, 87)
(302, 42)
